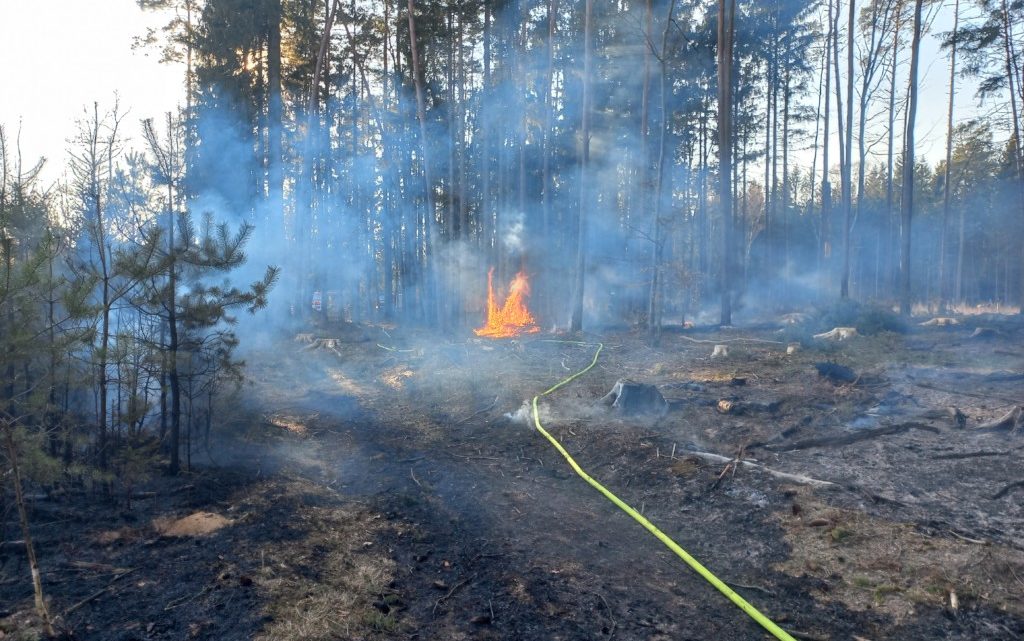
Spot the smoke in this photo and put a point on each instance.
(509, 192)
(513, 231)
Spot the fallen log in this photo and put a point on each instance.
(949, 390)
(962, 455)
(1011, 422)
(852, 437)
(838, 334)
(785, 476)
(1007, 489)
(1004, 377)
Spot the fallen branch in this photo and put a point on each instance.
(732, 340)
(786, 476)
(185, 599)
(853, 437)
(455, 587)
(751, 587)
(948, 390)
(967, 538)
(479, 412)
(1007, 489)
(962, 455)
(96, 567)
(1011, 421)
(395, 349)
(475, 458)
(807, 636)
(97, 594)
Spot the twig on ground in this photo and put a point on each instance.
(475, 458)
(1007, 489)
(415, 480)
(97, 594)
(729, 467)
(751, 587)
(455, 587)
(608, 610)
(852, 437)
(948, 390)
(732, 340)
(786, 476)
(962, 455)
(967, 538)
(807, 636)
(185, 599)
(479, 412)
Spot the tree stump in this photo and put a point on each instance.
(635, 399)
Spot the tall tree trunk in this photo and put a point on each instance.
(726, 15)
(908, 165)
(844, 286)
(307, 183)
(26, 532)
(771, 90)
(786, 91)
(173, 343)
(655, 304)
(274, 109)
(840, 129)
(546, 298)
(576, 320)
(1015, 84)
(826, 184)
(102, 383)
(642, 164)
(421, 117)
(943, 278)
(890, 196)
(486, 213)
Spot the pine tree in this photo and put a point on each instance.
(181, 291)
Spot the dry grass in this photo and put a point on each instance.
(892, 567)
(292, 424)
(967, 310)
(323, 586)
(395, 377)
(196, 524)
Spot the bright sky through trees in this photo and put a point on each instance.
(62, 55)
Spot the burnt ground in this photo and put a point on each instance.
(381, 486)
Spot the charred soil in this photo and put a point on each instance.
(385, 484)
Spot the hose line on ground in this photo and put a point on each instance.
(739, 601)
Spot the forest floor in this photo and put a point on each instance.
(383, 485)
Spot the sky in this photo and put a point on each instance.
(60, 56)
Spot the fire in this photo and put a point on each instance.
(513, 317)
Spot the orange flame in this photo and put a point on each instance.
(513, 317)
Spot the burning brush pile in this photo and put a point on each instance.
(513, 317)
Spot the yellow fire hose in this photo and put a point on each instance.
(740, 602)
